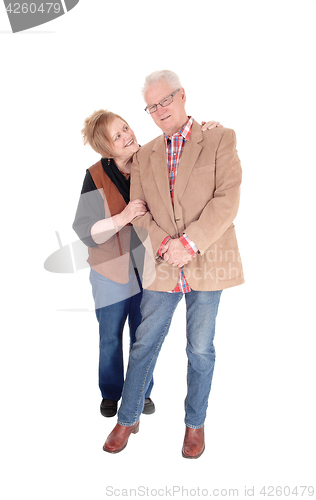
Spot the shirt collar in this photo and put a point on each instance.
(185, 131)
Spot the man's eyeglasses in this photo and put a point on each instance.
(167, 100)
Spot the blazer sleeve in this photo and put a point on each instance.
(144, 225)
(219, 213)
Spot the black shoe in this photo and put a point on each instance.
(108, 408)
(149, 407)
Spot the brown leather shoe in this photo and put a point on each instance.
(117, 440)
(193, 445)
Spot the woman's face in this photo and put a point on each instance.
(123, 139)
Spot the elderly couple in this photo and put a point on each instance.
(181, 193)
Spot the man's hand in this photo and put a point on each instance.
(176, 254)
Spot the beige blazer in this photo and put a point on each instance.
(206, 198)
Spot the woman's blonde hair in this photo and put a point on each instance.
(96, 131)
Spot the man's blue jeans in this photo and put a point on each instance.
(115, 302)
(157, 309)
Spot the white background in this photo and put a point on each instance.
(250, 65)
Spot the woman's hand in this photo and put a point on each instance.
(135, 208)
(209, 125)
(104, 229)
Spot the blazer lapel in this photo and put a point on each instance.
(191, 152)
(160, 170)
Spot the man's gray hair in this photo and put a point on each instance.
(169, 76)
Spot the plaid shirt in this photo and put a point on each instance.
(174, 149)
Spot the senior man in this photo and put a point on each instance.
(190, 181)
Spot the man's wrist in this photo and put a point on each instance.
(188, 244)
(163, 243)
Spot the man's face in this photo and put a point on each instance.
(170, 119)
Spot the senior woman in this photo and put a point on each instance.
(103, 222)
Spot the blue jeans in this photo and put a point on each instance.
(115, 302)
(157, 309)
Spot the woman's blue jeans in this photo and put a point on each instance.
(114, 303)
(157, 309)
